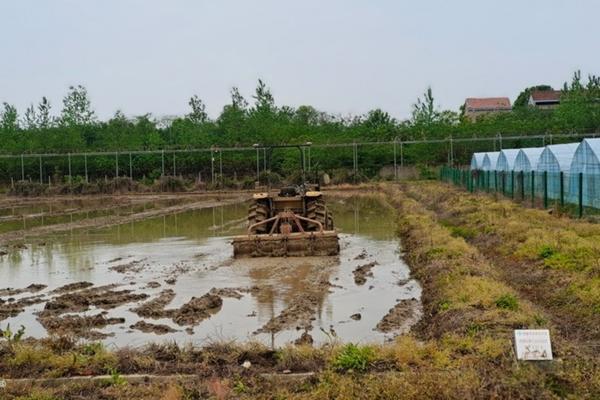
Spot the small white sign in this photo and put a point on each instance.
(2, 383)
(533, 344)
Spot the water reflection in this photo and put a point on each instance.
(194, 246)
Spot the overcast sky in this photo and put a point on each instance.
(341, 56)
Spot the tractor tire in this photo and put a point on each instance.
(318, 211)
(257, 213)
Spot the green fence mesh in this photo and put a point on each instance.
(576, 194)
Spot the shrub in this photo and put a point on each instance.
(26, 188)
(170, 184)
(353, 357)
(508, 302)
(546, 251)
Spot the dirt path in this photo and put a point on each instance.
(101, 222)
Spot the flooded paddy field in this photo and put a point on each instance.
(172, 277)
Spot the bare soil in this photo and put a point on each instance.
(102, 296)
(158, 329)
(362, 272)
(398, 316)
(11, 307)
(79, 326)
(155, 308)
(33, 288)
(197, 309)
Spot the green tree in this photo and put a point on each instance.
(198, 114)
(44, 120)
(30, 118)
(424, 111)
(9, 118)
(77, 108)
(263, 99)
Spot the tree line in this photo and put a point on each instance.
(259, 119)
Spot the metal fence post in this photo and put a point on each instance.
(41, 179)
(163, 163)
(130, 167)
(116, 164)
(532, 188)
(562, 186)
(496, 181)
(580, 194)
(22, 168)
(545, 189)
(85, 167)
(512, 184)
(522, 185)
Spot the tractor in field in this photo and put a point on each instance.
(292, 221)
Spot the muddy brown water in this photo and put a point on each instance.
(275, 301)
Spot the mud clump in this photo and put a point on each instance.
(171, 281)
(11, 307)
(227, 292)
(158, 329)
(102, 297)
(397, 316)
(134, 266)
(299, 315)
(153, 285)
(363, 254)
(33, 288)
(71, 287)
(197, 309)
(362, 272)
(304, 339)
(79, 326)
(356, 317)
(155, 308)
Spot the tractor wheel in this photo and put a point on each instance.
(257, 213)
(316, 210)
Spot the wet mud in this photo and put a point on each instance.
(173, 277)
(79, 326)
(362, 272)
(398, 316)
(147, 327)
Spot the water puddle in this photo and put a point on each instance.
(184, 256)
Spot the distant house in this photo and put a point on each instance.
(544, 98)
(476, 107)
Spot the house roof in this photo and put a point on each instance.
(545, 96)
(487, 103)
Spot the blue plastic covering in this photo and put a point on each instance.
(555, 159)
(477, 161)
(527, 159)
(506, 159)
(490, 159)
(586, 160)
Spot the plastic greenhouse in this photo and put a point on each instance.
(525, 162)
(555, 159)
(490, 160)
(506, 159)
(527, 159)
(586, 160)
(477, 160)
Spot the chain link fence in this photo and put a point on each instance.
(218, 167)
(576, 194)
